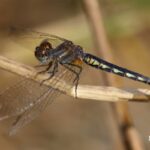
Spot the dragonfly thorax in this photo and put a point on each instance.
(42, 51)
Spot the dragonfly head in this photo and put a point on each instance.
(42, 51)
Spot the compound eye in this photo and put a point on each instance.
(37, 51)
(37, 48)
(47, 49)
(70, 43)
(46, 45)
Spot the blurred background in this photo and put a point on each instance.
(69, 123)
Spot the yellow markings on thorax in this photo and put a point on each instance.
(96, 63)
(130, 75)
(87, 59)
(92, 61)
(104, 66)
(117, 71)
(140, 79)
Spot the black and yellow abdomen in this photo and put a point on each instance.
(106, 66)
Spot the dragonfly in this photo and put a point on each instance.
(59, 58)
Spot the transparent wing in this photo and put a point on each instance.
(41, 103)
(16, 99)
(27, 99)
(31, 39)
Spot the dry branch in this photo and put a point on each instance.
(101, 93)
(130, 139)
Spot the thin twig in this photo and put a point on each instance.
(101, 93)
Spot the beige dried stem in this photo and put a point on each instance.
(94, 16)
(101, 93)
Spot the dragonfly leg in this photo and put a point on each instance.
(55, 69)
(45, 70)
(76, 80)
(78, 73)
(77, 77)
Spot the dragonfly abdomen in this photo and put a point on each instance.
(106, 66)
